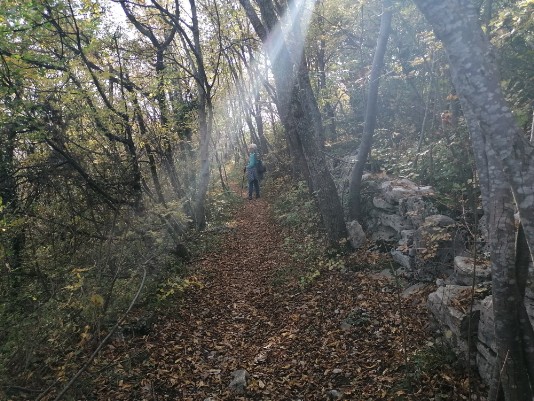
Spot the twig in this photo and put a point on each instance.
(102, 343)
(22, 389)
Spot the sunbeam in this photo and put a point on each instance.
(289, 35)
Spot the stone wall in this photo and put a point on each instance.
(399, 215)
(430, 247)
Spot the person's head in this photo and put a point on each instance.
(252, 147)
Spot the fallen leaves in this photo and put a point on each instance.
(341, 332)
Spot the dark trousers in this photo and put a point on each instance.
(253, 185)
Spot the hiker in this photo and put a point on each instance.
(252, 173)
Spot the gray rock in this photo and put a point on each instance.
(452, 320)
(381, 203)
(357, 236)
(439, 220)
(239, 381)
(334, 395)
(436, 237)
(406, 237)
(463, 271)
(383, 233)
(402, 259)
(413, 289)
(396, 222)
(395, 190)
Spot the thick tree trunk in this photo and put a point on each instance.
(508, 163)
(354, 205)
(510, 378)
(522, 262)
(532, 125)
(456, 23)
(205, 112)
(510, 367)
(263, 143)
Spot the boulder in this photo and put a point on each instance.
(383, 233)
(463, 271)
(406, 238)
(416, 209)
(453, 319)
(395, 190)
(381, 203)
(402, 259)
(357, 236)
(396, 222)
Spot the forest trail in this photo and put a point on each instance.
(342, 331)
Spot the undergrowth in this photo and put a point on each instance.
(294, 208)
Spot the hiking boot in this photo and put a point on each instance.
(257, 196)
(250, 198)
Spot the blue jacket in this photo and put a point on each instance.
(252, 160)
(252, 174)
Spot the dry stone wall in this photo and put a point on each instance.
(430, 247)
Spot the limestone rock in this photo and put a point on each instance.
(383, 233)
(396, 222)
(402, 259)
(436, 242)
(334, 395)
(452, 319)
(463, 271)
(357, 236)
(381, 203)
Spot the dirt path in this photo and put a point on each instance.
(342, 332)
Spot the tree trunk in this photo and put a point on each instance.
(508, 163)
(354, 202)
(510, 368)
(532, 125)
(300, 117)
(456, 23)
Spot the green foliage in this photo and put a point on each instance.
(433, 358)
(294, 208)
(221, 206)
(283, 275)
(173, 286)
(71, 286)
(512, 34)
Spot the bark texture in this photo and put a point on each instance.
(504, 160)
(456, 23)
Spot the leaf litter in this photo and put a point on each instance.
(342, 334)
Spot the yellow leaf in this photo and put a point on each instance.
(97, 300)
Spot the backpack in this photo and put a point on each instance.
(260, 168)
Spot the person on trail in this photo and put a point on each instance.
(252, 173)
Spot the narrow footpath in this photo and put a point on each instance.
(343, 334)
